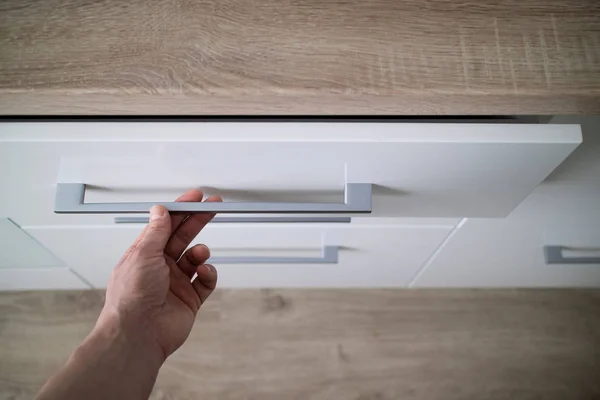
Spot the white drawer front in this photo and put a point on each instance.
(418, 170)
(19, 250)
(369, 256)
(509, 253)
(40, 279)
(563, 211)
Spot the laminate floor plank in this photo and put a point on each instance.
(339, 344)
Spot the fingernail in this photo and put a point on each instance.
(156, 212)
(209, 268)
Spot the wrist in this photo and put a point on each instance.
(116, 358)
(114, 333)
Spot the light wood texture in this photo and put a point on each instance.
(299, 57)
(339, 344)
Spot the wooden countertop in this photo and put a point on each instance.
(299, 57)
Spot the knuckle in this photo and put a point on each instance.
(187, 237)
(156, 226)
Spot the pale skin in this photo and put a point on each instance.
(150, 308)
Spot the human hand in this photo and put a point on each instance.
(150, 293)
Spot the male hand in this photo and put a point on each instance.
(150, 294)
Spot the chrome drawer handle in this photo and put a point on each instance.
(70, 200)
(245, 220)
(554, 255)
(329, 255)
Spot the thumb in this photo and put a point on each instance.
(157, 232)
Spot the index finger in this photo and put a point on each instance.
(177, 219)
(193, 195)
(187, 231)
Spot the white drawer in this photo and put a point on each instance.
(417, 170)
(510, 253)
(25, 264)
(18, 250)
(563, 211)
(368, 256)
(40, 279)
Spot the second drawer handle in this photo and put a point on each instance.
(255, 220)
(329, 255)
(554, 255)
(70, 200)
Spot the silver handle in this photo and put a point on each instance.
(257, 220)
(554, 255)
(329, 255)
(70, 200)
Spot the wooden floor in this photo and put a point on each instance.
(300, 57)
(339, 344)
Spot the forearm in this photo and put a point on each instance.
(113, 362)
(151, 304)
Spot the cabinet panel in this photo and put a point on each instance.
(417, 170)
(564, 210)
(40, 279)
(369, 256)
(19, 250)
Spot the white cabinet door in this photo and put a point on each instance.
(563, 211)
(25, 264)
(368, 255)
(40, 279)
(509, 253)
(417, 170)
(18, 250)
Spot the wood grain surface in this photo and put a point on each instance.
(339, 344)
(299, 57)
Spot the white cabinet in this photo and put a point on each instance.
(563, 211)
(40, 279)
(416, 170)
(424, 177)
(20, 250)
(25, 264)
(368, 255)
